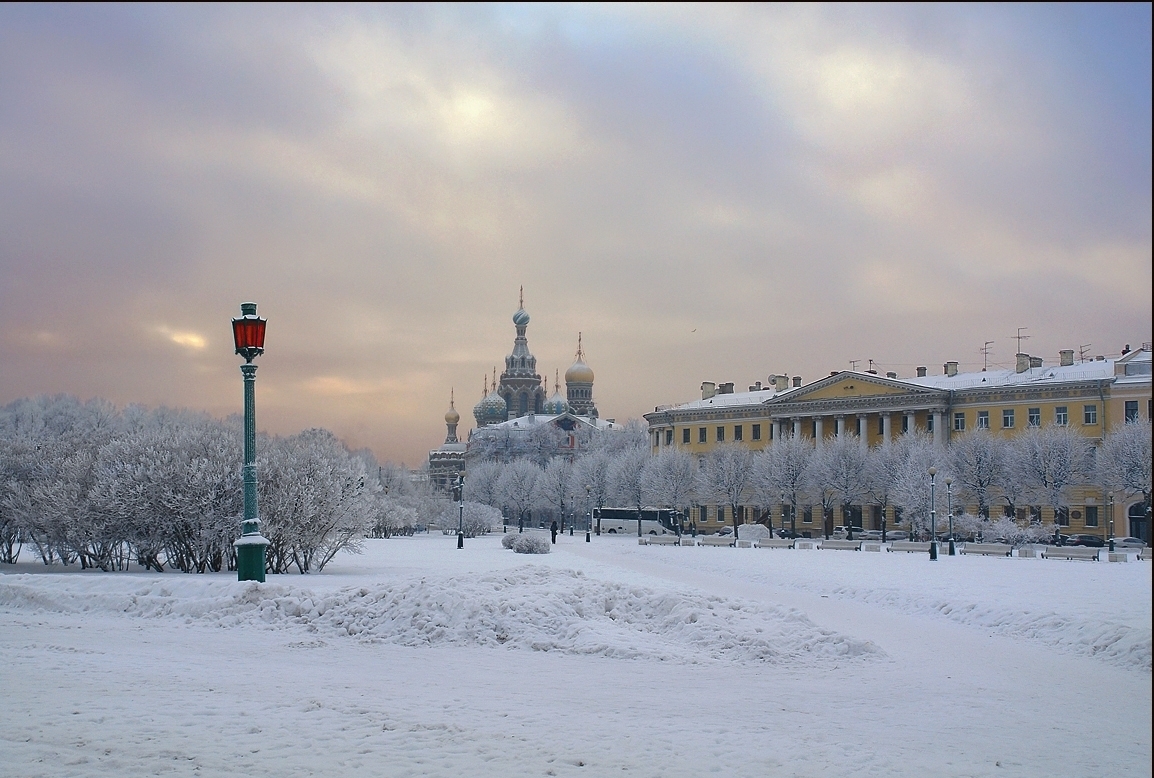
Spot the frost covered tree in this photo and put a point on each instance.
(482, 484)
(1124, 458)
(593, 480)
(1048, 461)
(627, 476)
(781, 472)
(978, 462)
(916, 454)
(669, 478)
(556, 487)
(725, 477)
(518, 488)
(841, 467)
(475, 519)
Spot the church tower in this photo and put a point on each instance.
(520, 385)
(579, 385)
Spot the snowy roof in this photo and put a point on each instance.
(1086, 371)
(728, 400)
(536, 420)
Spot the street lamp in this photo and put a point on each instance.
(248, 337)
(1110, 518)
(460, 495)
(588, 526)
(950, 511)
(933, 518)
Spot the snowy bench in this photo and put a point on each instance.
(714, 540)
(774, 543)
(871, 545)
(743, 543)
(911, 546)
(688, 541)
(663, 540)
(987, 549)
(1071, 552)
(1144, 554)
(842, 545)
(809, 543)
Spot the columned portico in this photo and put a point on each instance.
(840, 424)
(886, 431)
(863, 429)
(818, 429)
(796, 427)
(939, 427)
(776, 433)
(911, 423)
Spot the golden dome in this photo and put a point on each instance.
(452, 417)
(579, 373)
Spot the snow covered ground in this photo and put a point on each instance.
(602, 659)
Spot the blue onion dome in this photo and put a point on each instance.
(491, 408)
(555, 405)
(521, 317)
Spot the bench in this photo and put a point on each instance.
(663, 540)
(842, 545)
(774, 543)
(871, 545)
(743, 543)
(987, 549)
(688, 540)
(1117, 556)
(911, 546)
(1144, 554)
(714, 540)
(1071, 552)
(1030, 552)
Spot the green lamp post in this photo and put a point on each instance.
(248, 336)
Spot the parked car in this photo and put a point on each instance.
(869, 534)
(897, 534)
(725, 531)
(1129, 543)
(1085, 540)
(786, 534)
(841, 533)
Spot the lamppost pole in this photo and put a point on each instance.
(589, 526)
(933, 518)
(1110, 518)
(461, 510)
(950, 511)
(248, 338)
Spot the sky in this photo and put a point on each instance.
(707, 193)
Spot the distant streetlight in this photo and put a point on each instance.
(933, 518)
(1110, 518)
(459, 488)
(950, 511)
(248, 338)
(588, 526)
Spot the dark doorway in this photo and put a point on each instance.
(1139, 521)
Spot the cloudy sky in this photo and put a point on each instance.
(707, 193)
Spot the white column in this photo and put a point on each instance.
(939, 424)
(818, 430)
(776, 430)
(885, 429)
(796, 427)
(911, 422)
(840, 425)
(863, 426)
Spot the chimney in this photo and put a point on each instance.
(950, 369)
(833, 372)
(797, 380)
(1022, 364)
(1125, 350)
(921, 372)
(726, 388)
(708, 389)
(1066, 357)
(871, 371)
(780, 382)
(891, 374)
(755, 386)
(1035, 361)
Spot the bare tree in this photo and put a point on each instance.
(518, 485)
(1124, 459)
(669, 479)
(781, 472)
(978, 461)
(556, 485)
(482, 484)
(841, 466)
(916, 454)
(593, 481)
(627, 475)
(1049, 461)
(725, 476)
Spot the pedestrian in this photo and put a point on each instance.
(553, 530)
(520, 525)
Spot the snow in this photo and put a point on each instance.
(606, 658)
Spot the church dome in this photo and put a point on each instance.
(579, 373)
(491, 409)
(452, 417)
(521, 317)
(555, 405)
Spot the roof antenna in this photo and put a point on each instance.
(985, 351)
(1021, 337)
(853, 363)
(1082, 351)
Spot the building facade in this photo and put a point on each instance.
(1091, 396)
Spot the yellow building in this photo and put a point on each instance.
(1091, 396)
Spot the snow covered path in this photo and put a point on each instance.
(602, 659)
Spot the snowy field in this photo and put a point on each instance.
(418, 659)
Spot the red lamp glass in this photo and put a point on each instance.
(248, 332)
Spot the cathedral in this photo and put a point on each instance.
(517, 404)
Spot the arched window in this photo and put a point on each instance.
(524, 403)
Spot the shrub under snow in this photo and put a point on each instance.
(527, 543)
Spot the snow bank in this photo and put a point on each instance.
(532, 607)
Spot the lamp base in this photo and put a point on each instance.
(250, 558)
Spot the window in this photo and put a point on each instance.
(1061, 416)
(807, 516)
(755, 432)
(685, 435)
(1062, 517)
(929, 422)
(1034, 417)
(983, 420)
(669, 437)
(905, 424)
(1008, 418)
(1035, 514)
(701, 435)
(657, 438)
(737, 432)
(1091, 515)
(721, 514)
(1131, 410)
(881, 425)
(959, 422)
(721, 434)
(1089, 414)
